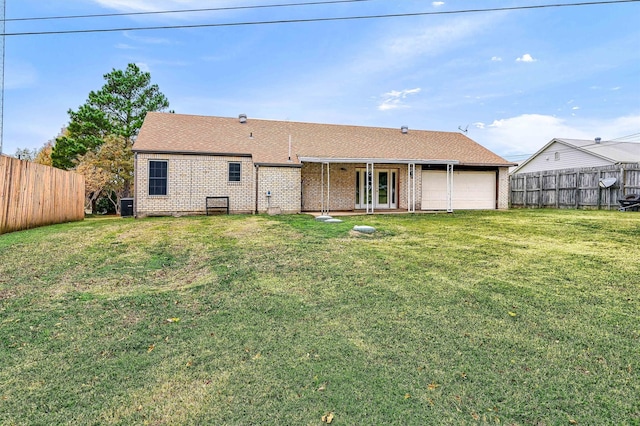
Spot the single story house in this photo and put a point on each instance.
(560, 154)
(292, 167)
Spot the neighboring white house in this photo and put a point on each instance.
(577, 153)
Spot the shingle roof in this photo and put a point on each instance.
(267, 141)
(617, 152)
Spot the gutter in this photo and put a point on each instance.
(375, 160)
(295, 166)
(489, 165)
(216, 154)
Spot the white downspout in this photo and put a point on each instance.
(321, 188)
(325, 207)
(328, 186)
(369, 185)
(411, 188)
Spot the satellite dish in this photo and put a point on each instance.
(607, 183)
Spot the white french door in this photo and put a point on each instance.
(379, 189)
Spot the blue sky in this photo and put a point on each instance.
(513, 79)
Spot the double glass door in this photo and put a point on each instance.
(382, 189)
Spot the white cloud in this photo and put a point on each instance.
(144, 67)
(437, 3)
(395, 48)
(496, 59)
(136, 6)
(147, 40)
(124, 46)
(427, 40)
(527, 133)
(19, 75)
(396, 99)
(130, 6)
(526, 58)
(153, 5)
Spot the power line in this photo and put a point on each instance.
(632, 138)
(161, 12)
(291, 21)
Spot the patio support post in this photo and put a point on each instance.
(411, 188)
(325, 207)
(328, 187)
(369, 178)
(449, 188)
(321, 188)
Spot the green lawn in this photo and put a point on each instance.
(528, 317)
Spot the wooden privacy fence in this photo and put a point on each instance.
(34, 195)
(574, 188)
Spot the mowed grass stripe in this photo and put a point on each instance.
(518, 317)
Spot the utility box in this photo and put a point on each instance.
(126, 207)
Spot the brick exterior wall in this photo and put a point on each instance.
(284, 185)
(342, 190)
(192, 178)
(343, 183)
(342, 194)
(404, 181)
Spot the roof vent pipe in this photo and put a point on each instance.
(598, 140)
(404, 129)
(242, 118)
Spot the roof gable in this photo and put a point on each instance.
(609, 151)
(269, 141)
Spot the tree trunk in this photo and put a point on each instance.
(126, 192)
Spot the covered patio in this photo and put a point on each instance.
(367, 185)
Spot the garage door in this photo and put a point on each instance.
(471, 190)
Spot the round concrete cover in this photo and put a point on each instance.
(323, 218)
(333, 221)
(364, 229)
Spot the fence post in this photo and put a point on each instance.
(577, 190)
(599, 188)
(511, 190)
(540, 190)
(557, 184)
